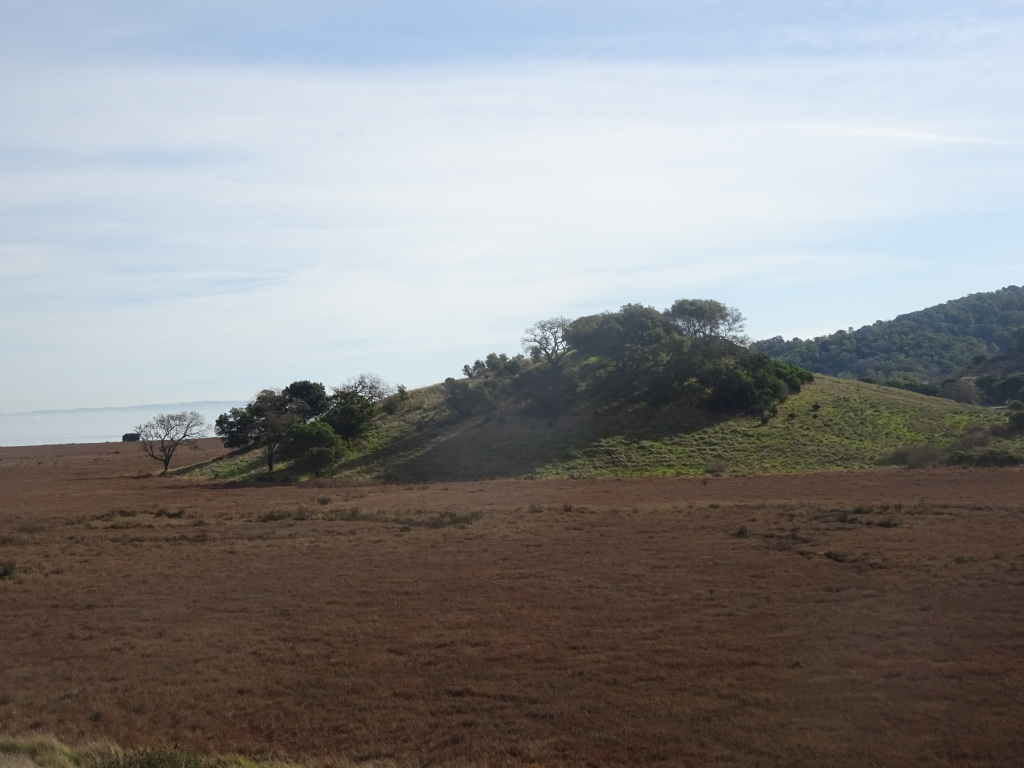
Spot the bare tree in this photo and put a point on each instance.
(161, 436)
(546, 339)
(369, 385)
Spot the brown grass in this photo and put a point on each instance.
(841, 619)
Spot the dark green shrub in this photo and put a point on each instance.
(1015, 405)
(548, 390)
(754, 383)
(916, 456)
(315, 444)
(7, 569)
(350, 414)
(463, 399)
(993, 457)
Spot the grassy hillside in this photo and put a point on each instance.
(832, 424)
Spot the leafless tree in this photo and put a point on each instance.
(546, 339)
(161, 436)
(369, 385)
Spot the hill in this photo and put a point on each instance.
(929, 345)
(832, 424)
(634, 392)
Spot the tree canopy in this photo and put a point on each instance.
(262, 423)
(315, 444)
(350, 414)
(929, 345)
(694, 351)
(298, 418)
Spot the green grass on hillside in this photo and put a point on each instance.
(48, 752)
(830, 425)
(833, 424)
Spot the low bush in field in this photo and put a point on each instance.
(916, 456)
(993, 457)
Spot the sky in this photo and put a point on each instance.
(199, 200)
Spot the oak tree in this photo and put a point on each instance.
(162, 435)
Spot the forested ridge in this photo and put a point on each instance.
(927, 346)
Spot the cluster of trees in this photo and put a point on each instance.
(498, 364)
(304, 422)
(996, 389)
(694, 351)
(928, 346)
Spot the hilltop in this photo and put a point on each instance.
(636, 392)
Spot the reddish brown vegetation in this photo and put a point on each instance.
(846, 619)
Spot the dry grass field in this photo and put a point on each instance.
(845, 619)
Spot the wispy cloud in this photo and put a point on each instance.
(245, 223)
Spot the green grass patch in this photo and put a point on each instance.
(49, 752)
(832, 424)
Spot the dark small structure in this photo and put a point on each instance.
(130, 437)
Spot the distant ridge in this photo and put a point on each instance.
(94, 425)
(193, 405)
(929, 345)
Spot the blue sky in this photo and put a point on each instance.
(202, 199)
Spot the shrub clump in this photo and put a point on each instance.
(993, 457)
(1015, 421)
(916, 456)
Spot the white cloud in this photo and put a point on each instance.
(253, 220)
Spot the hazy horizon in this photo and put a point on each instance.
(94, 425)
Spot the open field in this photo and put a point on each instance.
(845, 619)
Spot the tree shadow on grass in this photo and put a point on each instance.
(506, 443)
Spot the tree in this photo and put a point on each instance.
(708, 319)
(961, 390)
(474, 371)
(369, 385)
(263, 422)
(237, 427)
(350, 414)
(314, 443)
(161, 436)
(306, 399)
(628, 340)
(546, 340)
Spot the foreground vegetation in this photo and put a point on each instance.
(842, 619)
(49, 752)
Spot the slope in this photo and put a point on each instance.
(832, 424)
